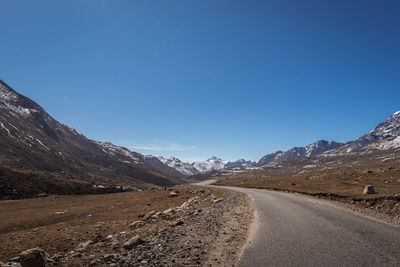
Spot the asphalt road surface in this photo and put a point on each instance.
(295, 231)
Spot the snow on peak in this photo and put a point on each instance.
(185, 168)
(114, 150)
(11, 100)
(396, 114)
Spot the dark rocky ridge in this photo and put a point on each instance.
(30, 139)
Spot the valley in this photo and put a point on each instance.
(80, 202)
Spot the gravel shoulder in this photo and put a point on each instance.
(200, 226)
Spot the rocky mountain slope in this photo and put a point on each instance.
(384, 135)
(313, 149)
(32, 140)
(380, 146)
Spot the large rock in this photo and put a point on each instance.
(369, 189)
(133, 242)
(35, 257)
(148, 215)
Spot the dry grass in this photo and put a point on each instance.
(346, 182)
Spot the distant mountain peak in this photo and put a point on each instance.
(312, 149)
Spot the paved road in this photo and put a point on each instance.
(295, 231)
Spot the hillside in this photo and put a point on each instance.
(30, 139)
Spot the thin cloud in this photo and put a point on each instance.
(156, 147)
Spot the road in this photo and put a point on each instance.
(295, 231)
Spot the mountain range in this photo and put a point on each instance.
(45, 155)
(213, 163)
(313, 149)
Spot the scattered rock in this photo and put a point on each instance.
(137, 224)
(76, 255)
(195, 212)
(110, 257)
(133, 242)
(369, 189)
(34, 257)
(85, 244)
(115, 246)
(108, 238)
(97, 238)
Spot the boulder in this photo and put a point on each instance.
(35, 257)
(133, 242)
(369, 189)
(148, 215)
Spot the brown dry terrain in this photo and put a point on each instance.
(60, 223)
(342, 184)
(194, 234)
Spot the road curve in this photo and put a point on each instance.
(295, 231)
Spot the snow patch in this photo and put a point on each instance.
(5, 128)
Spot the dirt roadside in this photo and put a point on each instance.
(384, 207)
(200, 226)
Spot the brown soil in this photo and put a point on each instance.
(60, 223)
(210, 229)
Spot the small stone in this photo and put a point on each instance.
(195, 212)
(57, 257)
(95, 262)
(10, 264)
(369, 189)
(133, 242)
(109, 257)
(97, 238)
(76, 255)
(114, 246)
(85, 244)
(217, 200)
(174, 194)
(178, 223)
(108, 238)
(148, 215)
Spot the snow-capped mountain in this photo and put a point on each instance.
(386, 132)
(186, 169)
(189, 169)
(316, 148)
(210, 164)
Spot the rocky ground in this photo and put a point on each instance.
(186, 225)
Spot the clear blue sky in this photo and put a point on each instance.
(200, 78)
